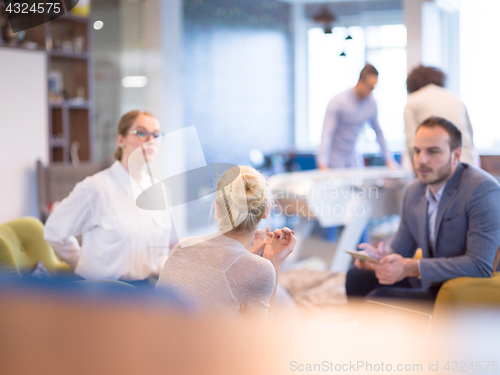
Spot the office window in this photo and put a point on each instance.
(329, 74)
(479, 78)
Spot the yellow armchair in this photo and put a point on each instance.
(469, 292)
(22, 246)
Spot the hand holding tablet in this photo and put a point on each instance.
(362, 256)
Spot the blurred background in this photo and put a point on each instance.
(253, 76)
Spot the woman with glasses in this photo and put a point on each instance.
(119, 241)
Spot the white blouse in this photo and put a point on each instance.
(119, 240)
(432, 100)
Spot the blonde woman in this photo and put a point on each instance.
(119, 240)
(224, 274)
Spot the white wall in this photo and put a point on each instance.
(479, 79)
(413, 21)
(171, 53)
(432, 47)
(107, 84)
(440, 40)
(300, 48)
(132, 54)
(151, 45)
(170, 29)
(23, 129)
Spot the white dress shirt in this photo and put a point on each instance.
(119, 240)
(433, 100)
(432, 209)
(345, 115)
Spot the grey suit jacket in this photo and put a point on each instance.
(467, 227)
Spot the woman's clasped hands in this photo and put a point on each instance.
(274, 246)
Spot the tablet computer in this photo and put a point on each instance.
(362, 256)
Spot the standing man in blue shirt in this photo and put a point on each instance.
(345, 115)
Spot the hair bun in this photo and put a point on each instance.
(248, 191)
(242, 199)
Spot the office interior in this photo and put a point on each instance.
(242, 82)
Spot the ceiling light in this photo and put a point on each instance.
(326, 18)
(98, 25)
(134, 81)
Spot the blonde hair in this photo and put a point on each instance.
(242, 199)
(124, 126)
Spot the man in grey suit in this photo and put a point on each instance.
(452, 213)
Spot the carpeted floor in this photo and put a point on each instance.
(316, 293)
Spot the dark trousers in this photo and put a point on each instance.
(363, 283)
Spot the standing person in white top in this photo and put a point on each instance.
(234, 271)
(427, 97)
(119, 240)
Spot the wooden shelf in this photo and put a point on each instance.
(58, 142)
(82, 105)
(5, 45)
(58, 154)
(70, 120)
(71, 18)
(69, 55)
(71, 105)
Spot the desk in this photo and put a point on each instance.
(348, 197)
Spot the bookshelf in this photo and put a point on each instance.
(67, 43)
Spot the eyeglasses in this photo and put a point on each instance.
(143, 135)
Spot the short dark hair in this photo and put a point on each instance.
(422, 76)
(367, 70)
(454, 133)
